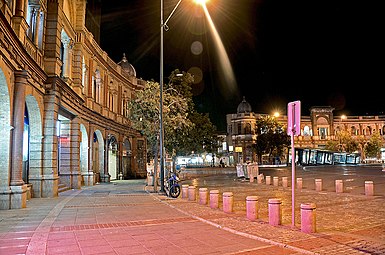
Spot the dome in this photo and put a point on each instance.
(127, 66)
(244, 107)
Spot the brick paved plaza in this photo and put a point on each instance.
(128, 217)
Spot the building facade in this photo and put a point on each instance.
(63, 117)
(317, 129)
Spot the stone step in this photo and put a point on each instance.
(62, 187)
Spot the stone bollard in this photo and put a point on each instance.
(228, 201)
(252, 207)
(268, 180)
(284, 182)
(191, 193)
(185, 191)
(339, 186)
(260, 178)
(214, 199)
(275, 215)
(308, 219)
(299, 183)
(318, 184)
(275, 180)
(203, 196)
(369, 188)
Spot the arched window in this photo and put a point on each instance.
(248, 128)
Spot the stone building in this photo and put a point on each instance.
(63, 117)
(316, 129)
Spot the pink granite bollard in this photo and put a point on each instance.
(275, 211)
(268, 180)
(260, 178)
(228, 201)
(191, 193)
(251, 177)
(252, 207)
(339, 186)
(275, 180)
(318, 184)
(185, 191)
(284, 182)
(369, 188)
(299, 183)
(203, 196)
(214, 199)
(308, 218)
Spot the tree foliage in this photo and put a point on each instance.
(202, 138)
(271, 137)
(344, 142)
(373, 146)
(184, 129)
(144, 114)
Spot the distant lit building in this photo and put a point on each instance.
(316, 129)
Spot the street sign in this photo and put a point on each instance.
(294, 118)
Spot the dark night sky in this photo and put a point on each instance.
(323, 53)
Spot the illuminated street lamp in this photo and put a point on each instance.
(340, 136)
(164, 27)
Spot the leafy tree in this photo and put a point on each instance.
(345, 142)
(144, 114)
(373, 146)
(271, 137)
(184, 129)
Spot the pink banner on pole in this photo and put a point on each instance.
(294, 118)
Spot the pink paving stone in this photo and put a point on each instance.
(133, 250)
(60, 235)
(11, 250)
(68, 249)
(61, 242)
(96, 250)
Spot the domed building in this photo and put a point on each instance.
(126, 66)
(244, 107)
(241, 135)
(317, 129)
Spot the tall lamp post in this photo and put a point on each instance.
(163, 26)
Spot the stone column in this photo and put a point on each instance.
(18, 187)
(90, 177)
(67, 57)
(50, 180)
(76, 181)
(20, 8)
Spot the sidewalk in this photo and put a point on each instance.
(127, 217)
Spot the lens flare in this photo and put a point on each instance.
(201, 2)
(229, 87)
